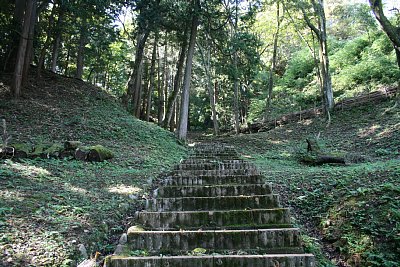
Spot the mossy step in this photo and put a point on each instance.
(213, 203)
(213, 190)
(206, 220)
(193, 180)
(252, 171)
(259, 241)
(197, 160)
(216, 166)
(284, 260)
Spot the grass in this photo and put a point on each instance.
(350, 213)
(48, 207)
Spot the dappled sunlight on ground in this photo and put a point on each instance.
(25, 169)
(365, 132)
(125, 190)
(389, 131)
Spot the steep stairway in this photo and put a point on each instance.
(214, 209)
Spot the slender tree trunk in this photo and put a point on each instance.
(323, 52)
(145, 90)
(22, 49)
(46, 43)
(67, 61)
(29, 48)
(177, 81)
(206, 61)
(152, 78)
(57, 39)
(134, 80)
(184, 112)
(274, 55)
(211, 92)
(236, 76)
(81, 52)
(138, 91)
(391, 30)
(164, 84)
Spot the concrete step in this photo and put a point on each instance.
(285, 240)
(213, 190)
(280, 260)
(203, 172)
(230, 219)
(216, 166)
(212, 180)
(213, 203)
(197, 160)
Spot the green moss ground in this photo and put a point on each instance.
(49, 207)
(353, 210)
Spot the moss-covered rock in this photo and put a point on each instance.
(99, 153)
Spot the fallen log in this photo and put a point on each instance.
(316, 156)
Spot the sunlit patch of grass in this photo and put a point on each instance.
(125, 190)
(25, 169)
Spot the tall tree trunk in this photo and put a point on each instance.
(177, 81)
(57, 39)
(134, 80)
(145, 89)
(152, 78)
(18, 21)
(81, 52)
(206, 61)
(22, 49)
(161, 95)
(47, 42)
(138, 92)
(29, 47)
(391, 31)
(274, 55)
(236, 75)
(67, 61)
(184, 112)
(323, 52)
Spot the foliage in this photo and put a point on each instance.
(50, 206)
(353, 208)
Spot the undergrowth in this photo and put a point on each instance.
(350, 213)
(48, 207)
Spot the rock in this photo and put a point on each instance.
(123, 239)
(99, 153)
(83, 251)
(119, 250)
(72, 145)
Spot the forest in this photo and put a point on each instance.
(217, 64)
(290, 83)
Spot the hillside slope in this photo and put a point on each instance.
(352, 210)
(48, 207)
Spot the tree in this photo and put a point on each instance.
(392, 31)
(23, 53)
(184, 112)
(274, 53)
(320, 31)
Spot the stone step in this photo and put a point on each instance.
(213, 203)
(216, 166)
(213, 190)
(203, 172)
(230, 219)
(198, 160)
(275, 260)
(213, 180)
(285, 240)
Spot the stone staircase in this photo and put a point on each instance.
(214, 209)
